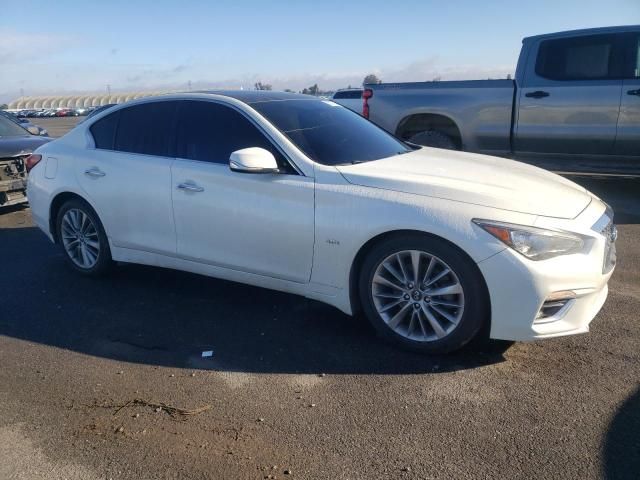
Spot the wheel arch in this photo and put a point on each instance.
(56, 203)
(421, 122)
(360, 256)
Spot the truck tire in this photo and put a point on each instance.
(434, 138)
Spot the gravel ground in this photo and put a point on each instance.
(293, 385)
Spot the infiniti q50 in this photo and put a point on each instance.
(299, 194)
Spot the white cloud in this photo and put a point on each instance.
(19, 48)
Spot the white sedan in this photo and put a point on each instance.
(292, 193)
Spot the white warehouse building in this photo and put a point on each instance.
(77, 101)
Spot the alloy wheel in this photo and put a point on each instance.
(418, 295)
(80, 238)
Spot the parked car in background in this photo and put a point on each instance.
(66, 112)
(574, 105)
(16, 144)
(96, 110)
(26, 124)
(350, 98)
(307, 197)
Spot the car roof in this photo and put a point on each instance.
(586, 31)
(257, 96)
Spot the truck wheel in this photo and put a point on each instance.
(433, 138)
(422, 294)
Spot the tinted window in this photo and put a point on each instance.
(348, 94)
(104, 131)
(329, 133)
(635, 57)
(9, 128)
(146, 128)
(210, 132)
(580, 58)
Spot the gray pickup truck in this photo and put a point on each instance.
(574, 105)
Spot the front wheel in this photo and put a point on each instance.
(422, 293)
(82, 237)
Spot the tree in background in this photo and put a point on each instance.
(371, 78)
(4, 106)
(262, 86)
(312, 90)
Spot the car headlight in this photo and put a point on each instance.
(534, 243)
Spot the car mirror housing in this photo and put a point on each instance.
(33, 130)
(253, 160)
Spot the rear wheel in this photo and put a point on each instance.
(82, 237)
(434, 138)
(421, 293)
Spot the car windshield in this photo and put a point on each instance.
(10, 129)
(329, 133)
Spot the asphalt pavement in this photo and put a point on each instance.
(152, 373)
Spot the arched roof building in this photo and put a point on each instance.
(77, 101)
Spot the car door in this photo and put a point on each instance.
(127, 176)
(628, 136)
(257, 223)
(570, 97)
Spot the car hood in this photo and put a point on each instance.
(473, 178)
(20, 145)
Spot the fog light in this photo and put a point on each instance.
(554, 307)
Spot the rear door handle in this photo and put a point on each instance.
(537, 94)
(634, 92)
(190, 187)
(94, 172)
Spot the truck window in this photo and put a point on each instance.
(592, 57)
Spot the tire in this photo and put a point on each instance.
(444, 322)
(434, 138)
(78, 227)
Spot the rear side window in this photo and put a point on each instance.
(146, 129)
(592, 57)
(210, 132)
(104, 131)
(352, 94)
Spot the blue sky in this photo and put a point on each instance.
(67, 46)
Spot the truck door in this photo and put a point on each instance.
(628, 138)
(569, 99)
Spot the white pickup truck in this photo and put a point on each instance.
(574, 105)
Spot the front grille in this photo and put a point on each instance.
(605, 227)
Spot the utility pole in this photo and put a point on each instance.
(189, 85)
(108, 89)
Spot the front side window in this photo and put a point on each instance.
(146, 128)
(9, 128)
(592, 57)
(210, 132)
(329, 133)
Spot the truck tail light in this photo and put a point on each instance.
(366, 95)
(31, 161)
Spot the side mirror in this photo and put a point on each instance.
(33, 130)
(253, 160)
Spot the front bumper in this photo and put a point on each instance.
(519, 287)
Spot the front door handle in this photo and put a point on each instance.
(190, 187)
(537, 94)
(634, 92)
(94, 172)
